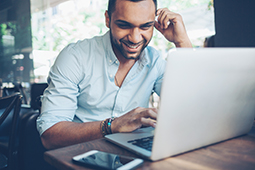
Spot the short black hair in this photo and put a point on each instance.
(112, 5)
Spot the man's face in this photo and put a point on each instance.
(131, 26)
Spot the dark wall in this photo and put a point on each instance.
(234, 23)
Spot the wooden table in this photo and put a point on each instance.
(237, 153)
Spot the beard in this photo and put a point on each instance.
(126, 54)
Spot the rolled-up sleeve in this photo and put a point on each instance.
(59, 101)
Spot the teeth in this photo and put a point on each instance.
(132, 46)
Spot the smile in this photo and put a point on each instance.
(133, 46)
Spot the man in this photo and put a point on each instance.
(102, 85)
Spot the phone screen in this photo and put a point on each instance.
(105, 160)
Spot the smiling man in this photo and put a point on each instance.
(131, 31)
(102, 85)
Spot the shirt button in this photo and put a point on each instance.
(110, 61)
(116, 62)
(111, 75)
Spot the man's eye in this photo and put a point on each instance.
(123, 26)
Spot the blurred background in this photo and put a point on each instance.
(33, 32)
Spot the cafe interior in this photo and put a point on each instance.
(20, 144)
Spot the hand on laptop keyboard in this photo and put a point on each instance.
(135, 119)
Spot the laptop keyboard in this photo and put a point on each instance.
(145, 143)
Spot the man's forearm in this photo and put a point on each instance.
(69, 133)
(186, 44)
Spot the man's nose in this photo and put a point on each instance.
(135, 36)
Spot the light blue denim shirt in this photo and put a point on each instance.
(81, 83)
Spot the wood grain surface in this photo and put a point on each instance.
(234, 154)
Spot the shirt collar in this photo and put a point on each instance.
(110, 56)
(144, 58)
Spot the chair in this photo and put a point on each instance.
(31, 149)
(36, 91)
(9, 131)
(16, 89)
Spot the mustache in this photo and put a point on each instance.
(131, 43)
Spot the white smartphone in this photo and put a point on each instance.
(103, 160)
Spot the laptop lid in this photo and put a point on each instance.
(207, 96)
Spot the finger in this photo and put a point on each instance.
(150, 113)
(159, 18)
(170, 17)
(175, 18)
(159, 11)
(139, 109)
(166, 21)
(148, 122)
(163, 19)
(157, 26)
(155, 110)
(159, 14)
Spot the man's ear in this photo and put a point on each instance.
(107, 19)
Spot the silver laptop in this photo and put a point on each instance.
(207, 96)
